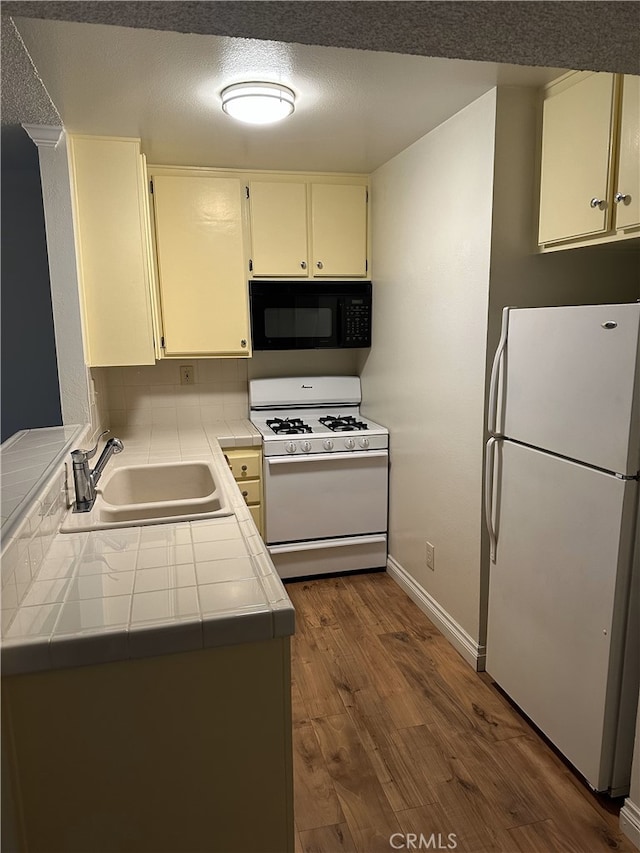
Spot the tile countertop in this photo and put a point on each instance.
(157, 589)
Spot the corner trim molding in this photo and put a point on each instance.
(472, 652)
(44, 135)
(630, 821)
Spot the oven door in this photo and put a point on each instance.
(323, 496)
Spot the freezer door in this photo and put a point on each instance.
(558, 599)
(570, 383)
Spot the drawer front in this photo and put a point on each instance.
(250, 491)
(245, 466)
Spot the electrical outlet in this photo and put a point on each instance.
(186, 374)
(431, 564)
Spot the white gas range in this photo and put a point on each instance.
(325, 475)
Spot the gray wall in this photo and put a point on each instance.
(30, 395)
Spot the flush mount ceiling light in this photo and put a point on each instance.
(258, 103)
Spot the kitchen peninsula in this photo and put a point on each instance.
(146, 679)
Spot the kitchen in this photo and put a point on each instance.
(428, 392)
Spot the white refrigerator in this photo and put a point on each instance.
(561, 506)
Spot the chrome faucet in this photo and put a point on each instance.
(84, 479)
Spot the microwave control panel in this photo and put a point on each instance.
(357, 327)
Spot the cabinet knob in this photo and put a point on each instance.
(243, 343)
(597, 203)
(621, 197)
(319, 265)
(245, 494)
(244, 467)
(303, 264)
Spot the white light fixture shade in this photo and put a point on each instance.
(258, 103)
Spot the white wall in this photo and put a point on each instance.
(56, 195)
(424, 377)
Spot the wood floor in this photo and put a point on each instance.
(394, 733)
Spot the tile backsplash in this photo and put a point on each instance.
(140, 396)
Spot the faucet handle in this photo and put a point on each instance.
(80, 456)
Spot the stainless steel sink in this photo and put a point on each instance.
(153, 494)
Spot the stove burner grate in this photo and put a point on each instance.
(342, 423)
(288, 426)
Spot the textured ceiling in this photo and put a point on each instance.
(600, 36)
(355, 109)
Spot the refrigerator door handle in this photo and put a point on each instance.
(488, 495)
(492, 416)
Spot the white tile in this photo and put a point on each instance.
(231, 596)
(46, 592)
(151, 639)
(228, 629)
(28, 654)
(223, 528)
(96, 564)
(115, 541)
(100, 586)
(93, 614)
(219, 550)
(172, 555)
(157, 536)
(217, 571)
(103, 647)
(164, 604)
(34, 621)
(166, 577)
(68, 545)
(56, 567)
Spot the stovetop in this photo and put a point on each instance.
(318, 431)
(317, 414)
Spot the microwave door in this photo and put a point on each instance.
(296, 321)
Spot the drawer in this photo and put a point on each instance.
(244, 464)
(250, 491)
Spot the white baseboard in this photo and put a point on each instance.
(472, 652)
(630, 821)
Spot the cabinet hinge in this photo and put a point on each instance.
(366, 196)
(250, 265)
(162, 343)
(366, 265)
(151, 187)
(247, 191)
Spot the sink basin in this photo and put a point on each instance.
(153, 494)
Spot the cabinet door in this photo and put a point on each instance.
(339, 229)
(628, 209)
(201, 265)
(112, 250)
(279, 228)
(576, 158)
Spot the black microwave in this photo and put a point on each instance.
(310, 314)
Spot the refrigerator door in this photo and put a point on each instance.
(570, 383)
(558, 599)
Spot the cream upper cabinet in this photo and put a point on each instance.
(576, 175)
(627, 192)
(339, 230)
(306, 228)
(201, 264)
(278, 228)
(112, 250)
(590, 165)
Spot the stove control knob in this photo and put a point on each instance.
(364, 442)
(306, 446)
(327, 444)
(290, 447)
(349, 443)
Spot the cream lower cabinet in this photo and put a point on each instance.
(589, 180)
(306, 228)
(201, 264)
(246, 466)
(112, 249)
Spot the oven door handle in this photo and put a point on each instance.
(326, 457)
(322, 544)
